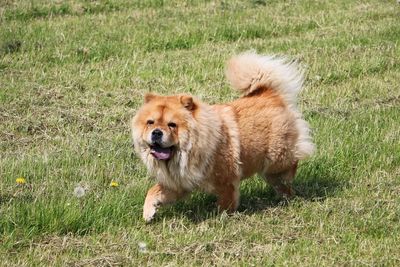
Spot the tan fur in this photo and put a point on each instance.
(214, 147)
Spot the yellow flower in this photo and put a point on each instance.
(20, 180)
(114, 184)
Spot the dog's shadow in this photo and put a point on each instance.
(315, 181)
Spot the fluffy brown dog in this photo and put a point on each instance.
(187, 144)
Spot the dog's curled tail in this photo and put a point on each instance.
(250, 72)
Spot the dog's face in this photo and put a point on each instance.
(161, 125)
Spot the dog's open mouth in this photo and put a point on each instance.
(161, 153)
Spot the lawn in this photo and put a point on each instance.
(72, 74)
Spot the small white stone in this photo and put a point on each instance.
(79, 191)
(142, 247)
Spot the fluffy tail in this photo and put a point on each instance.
(249, 72)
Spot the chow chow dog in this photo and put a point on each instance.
(187, 144)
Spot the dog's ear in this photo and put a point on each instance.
(187, 102)
(148, 97)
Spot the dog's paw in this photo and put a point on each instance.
(149, 212)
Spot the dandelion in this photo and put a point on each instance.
(114, 184)
(79, 191)
(20, 180)
(142, 247)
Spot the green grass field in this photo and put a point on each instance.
(72, 74)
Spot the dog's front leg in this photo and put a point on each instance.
(156, 196)
(228, 197)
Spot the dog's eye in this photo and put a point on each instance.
(172, 125)
(149, 122)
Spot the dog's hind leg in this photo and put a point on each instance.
(156, 196)
(282, 181)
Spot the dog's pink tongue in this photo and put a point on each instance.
(161, 153)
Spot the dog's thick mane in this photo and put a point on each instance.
(190, 163)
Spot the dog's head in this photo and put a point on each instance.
(160, 128)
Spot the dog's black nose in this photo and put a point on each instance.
(156, 135)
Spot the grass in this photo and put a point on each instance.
(72, 74)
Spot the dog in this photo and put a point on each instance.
(187, 144)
